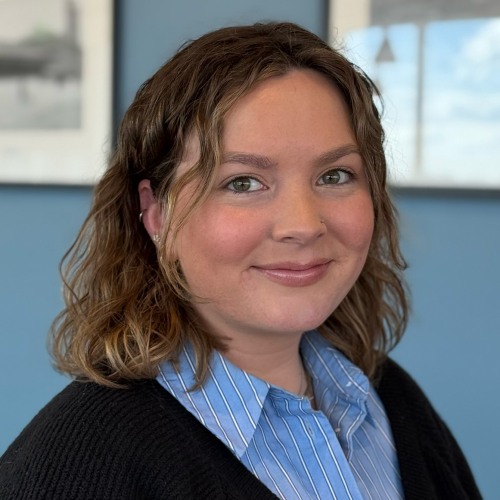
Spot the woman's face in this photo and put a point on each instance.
(284, 234)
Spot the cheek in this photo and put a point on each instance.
(213, 238)
(355, 227)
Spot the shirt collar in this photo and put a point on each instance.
(230, 401)
(331, 370)
(335, 377)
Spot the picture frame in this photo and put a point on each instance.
(56, 90)
(437, 65)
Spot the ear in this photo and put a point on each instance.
(150, 209)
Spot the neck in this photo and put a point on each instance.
(277, 362)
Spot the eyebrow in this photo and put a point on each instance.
(250, 159)
(336, 154)
(264, 162)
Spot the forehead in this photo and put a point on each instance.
(300, 85)
(302, 106)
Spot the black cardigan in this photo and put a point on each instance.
(94, 442)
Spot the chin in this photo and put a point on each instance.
(308, 318)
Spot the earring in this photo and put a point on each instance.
(156, 238)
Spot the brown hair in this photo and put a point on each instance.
(127, 309)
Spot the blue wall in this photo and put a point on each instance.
(452, 241)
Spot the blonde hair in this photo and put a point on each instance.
(126, 309)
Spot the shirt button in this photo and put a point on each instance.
(337, 430)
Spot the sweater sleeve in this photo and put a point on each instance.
(431, 462)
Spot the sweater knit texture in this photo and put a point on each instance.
(95, 442)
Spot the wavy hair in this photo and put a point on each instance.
(126, 308)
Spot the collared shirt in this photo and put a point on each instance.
(342, 450)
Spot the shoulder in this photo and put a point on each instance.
(407, 406)
(85, 412)
(394, 381)
(92, 441)
(84, 406)
(92, 438)
(431, 462)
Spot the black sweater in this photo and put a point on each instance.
(93, 442)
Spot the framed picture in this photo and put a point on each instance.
(55, 90)
(437, 65)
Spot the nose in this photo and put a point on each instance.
(297, 217)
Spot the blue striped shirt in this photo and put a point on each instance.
(342, 450)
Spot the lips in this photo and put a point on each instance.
(294, 274)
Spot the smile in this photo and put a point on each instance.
(293, 274)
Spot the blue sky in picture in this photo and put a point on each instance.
(461, 98)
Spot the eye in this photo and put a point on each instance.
(244, 185)
(335, 176)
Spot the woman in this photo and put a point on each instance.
(232, 296)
